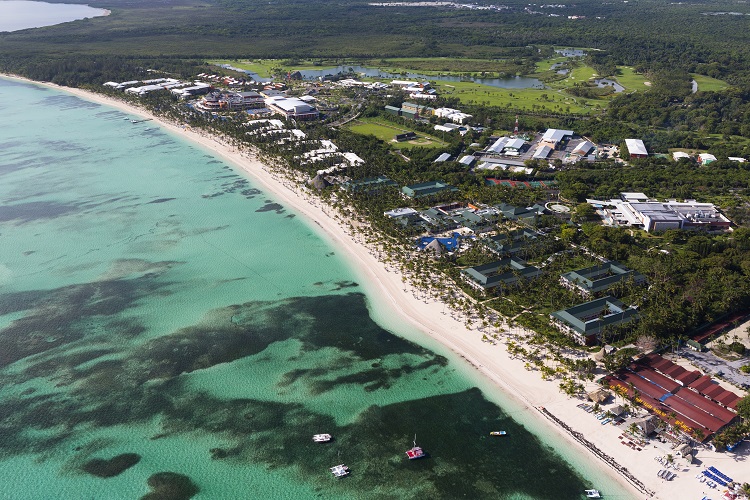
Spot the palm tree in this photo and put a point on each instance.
(633, 429)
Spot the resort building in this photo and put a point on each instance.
(636, 148)
(406, 136)
(666, 389)
(403, 83)
(199, 88)
(453, 115)
(542, 152)
(660, 216)
(502, 146)
(583, 149)
(252, 100)
(706, 159)
(369, 185)
(415, 111)
(528, 215)
(291, 107)
(586, 322)
(679, 155)
(467, 160)
(500, 274)
(548, 185)
(228, 101)
(593, 280)
(554, 138)
(393, 110)
(656, 216)
(511, 242)
(400, 212)
(427, 189)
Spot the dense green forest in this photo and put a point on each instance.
(638, 33)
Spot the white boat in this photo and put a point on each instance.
(592, 494)
(340, 470)
(322, 438)
(498, 433)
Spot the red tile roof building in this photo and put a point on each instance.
(680, 397)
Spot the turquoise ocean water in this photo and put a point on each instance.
(159, 314)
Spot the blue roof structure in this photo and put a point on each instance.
(449, 244)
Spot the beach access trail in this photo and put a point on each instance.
(429, 316)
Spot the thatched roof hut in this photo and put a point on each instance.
(647, 425)
(319, 182)
(683, 451)
(617, 410)
(599, 356)
(598, 396)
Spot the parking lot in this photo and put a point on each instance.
(714, 365)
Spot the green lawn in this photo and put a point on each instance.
(385, 131)
(265, 67)
(523, 99)
(546, 64)
(708, 84)
(441, 65)
(628, 78)
(581, 73)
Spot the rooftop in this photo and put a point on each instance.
(636, 147)
(556, 135)
(590, 318)
(506, 271)
(595, 279)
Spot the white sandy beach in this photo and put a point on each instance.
(492, 361)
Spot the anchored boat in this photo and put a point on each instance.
(340, 470)
(415, 451)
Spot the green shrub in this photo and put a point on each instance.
(737, 347)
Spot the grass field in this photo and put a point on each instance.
(266, 67)
(442, 65)
(553, 100)
(385, 131)
(546, 64)
(632, 81)
(708, 84)
(580, 73)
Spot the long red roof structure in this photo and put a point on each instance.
(674, 403)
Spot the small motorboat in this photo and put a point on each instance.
(322, 438)
(592, 493)
(340, 470)
(498, 433)
(415, 451)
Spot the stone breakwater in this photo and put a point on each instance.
(599, 453)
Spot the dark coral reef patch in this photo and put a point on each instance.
(170, 486)
(112, 467)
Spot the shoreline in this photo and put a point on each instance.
(503, 371)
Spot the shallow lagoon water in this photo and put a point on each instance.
(154, 302)
(23, 14)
